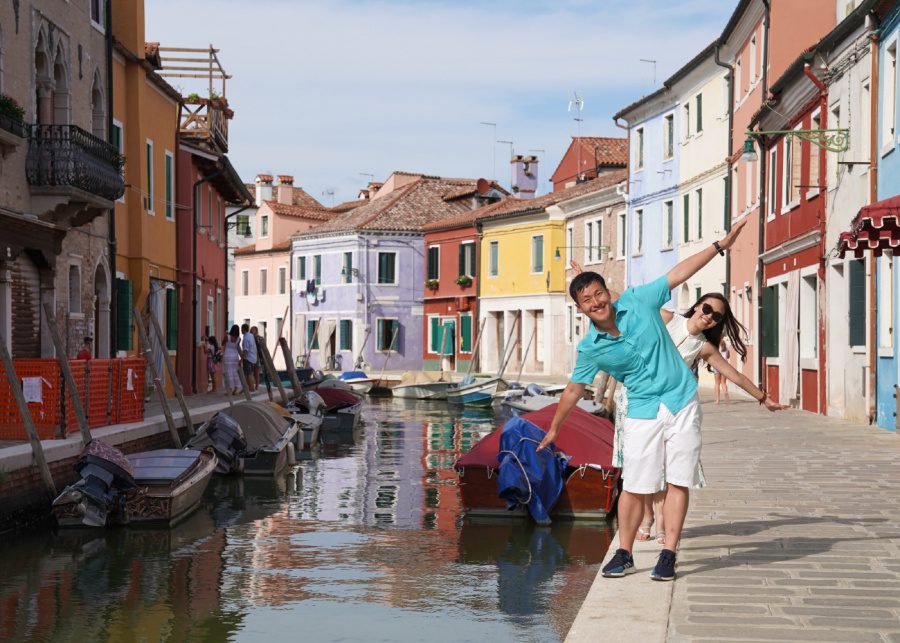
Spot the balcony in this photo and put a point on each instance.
(72, 171)
(205, 122)
(12, 133)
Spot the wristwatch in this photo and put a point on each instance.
(718, 248)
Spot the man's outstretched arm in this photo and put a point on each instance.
(689, 267)
(567, 401)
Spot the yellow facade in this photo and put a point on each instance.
(515, 274)
(145, 114)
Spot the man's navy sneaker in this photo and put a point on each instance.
(665, 566)
(621, 563)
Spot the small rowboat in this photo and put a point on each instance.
(590, 488)
(341, 408)
(421, 385)
(154, 487)
(477, 393)
(359, 382)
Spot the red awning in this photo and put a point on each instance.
(585, 437)
(876, 227)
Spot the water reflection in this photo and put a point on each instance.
(365, 542)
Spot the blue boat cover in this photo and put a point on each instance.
(525, 476)
(352, 375)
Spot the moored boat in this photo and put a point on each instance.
(534, 398)
(159, 487)
(477, 393)
(359, 382)
(590, 487)
(340, 408)
(421, 385)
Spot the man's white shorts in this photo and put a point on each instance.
(665, 449)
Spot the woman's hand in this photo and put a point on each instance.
(733, 234)
(576, 267)
(773, 406)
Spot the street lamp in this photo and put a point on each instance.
(832, 140)
(600, 249)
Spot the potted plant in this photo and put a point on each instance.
(432, 284)
(12, 116)
(464, 281)
(193, 98)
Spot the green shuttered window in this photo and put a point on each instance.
(434, 259)
(465, 331)
(386, 330)
(435, 343)
(770, 321)
(124, 320)
(311, 331)
(857, 299)
(387, 264)
(317, 269)
(494, 249)
(537, 254)
(346, 335)
(172, 319)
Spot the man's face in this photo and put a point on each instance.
(595, 302)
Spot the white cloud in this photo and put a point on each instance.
(326, 90)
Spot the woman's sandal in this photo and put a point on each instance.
(661, 537)
(643, 533)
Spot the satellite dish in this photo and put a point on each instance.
(483, 185)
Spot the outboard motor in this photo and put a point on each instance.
(534, 389)
(223, 433)
(315, 403)
(105, 475)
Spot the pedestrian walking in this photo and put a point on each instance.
(213, 357)
(231, 359)
(257, 340)
(248, 347)
(629, 340)
(721, 382)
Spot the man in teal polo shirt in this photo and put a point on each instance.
(661, 436)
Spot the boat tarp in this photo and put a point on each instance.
(162, 466)
(526, 476)
(261, 424)
(353, 375)
(419, 377)
(337, 398)
(585, 438)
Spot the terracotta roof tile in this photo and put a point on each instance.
(299, 195)
(245, 249)
(251, 249)
(299, 211)
(346, 206)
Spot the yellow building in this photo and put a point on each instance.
(522, 287)
(145, 128)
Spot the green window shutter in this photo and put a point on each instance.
(470, 249)
(449, 338)
(310, 331)
(317, 262)
(537, 253)
(346, 332)
(699, 111)
(494, 258)
(172, 319)
(462, 259)
(124, 325)
(465, 331)
(435, 334)
(857, 302)
(348, 267)
(686, 217)
(770, 321)
(433, 258)
(699, 212)
(395, 334)
(302, 268)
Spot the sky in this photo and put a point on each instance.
(336, 92)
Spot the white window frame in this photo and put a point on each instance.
(282, 280)
(264, 218)
(753, 54)
(377, 321)
(533, 256)
(263, 281)
(100, 24)
(865, 119)
(668, 223)
(622, 234)
(570, 242)
(466, 255)
(686, 120)
(396, 269)
(787, 162)
(595, 223)
(434, 245)
(341, 334)
(298, 261)
(668, 134)
(886, 304)
(889, 98)
(808, 344)
(749, 168)
(639, 238)
(698, 113)
(814, 155)
(738, 87)
(169, 205)
(472, 339)
(151, 178)
(245, 283)
(640, 144)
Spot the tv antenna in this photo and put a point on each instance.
(652, 62)
(371, 176)
(329, 192)
(577, 102)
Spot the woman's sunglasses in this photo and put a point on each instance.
(715, 314)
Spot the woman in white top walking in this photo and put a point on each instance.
(231, 358)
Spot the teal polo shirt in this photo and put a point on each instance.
(643, 357)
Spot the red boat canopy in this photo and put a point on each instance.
(588, 439)
(337, 397)
(876, 227)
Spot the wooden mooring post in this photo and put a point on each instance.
(170, 369)
(291, 369)
(157, 384)
(36, 448)
(270, 368)
(67, 375)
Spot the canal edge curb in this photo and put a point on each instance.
(630, 609)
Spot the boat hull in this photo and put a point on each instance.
(361, 386)
(343, 419)
(269, 461)
(477, 394)
(423, 391)
(588, 494)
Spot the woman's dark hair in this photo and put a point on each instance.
(582, 281)
(235, 331)
(729, 326)
(214, 342)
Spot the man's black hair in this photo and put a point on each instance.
(245, 328)
(582, 281)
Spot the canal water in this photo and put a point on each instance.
(366, 542)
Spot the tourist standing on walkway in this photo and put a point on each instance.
(629, 340)
(231, 358)
(212, 359)
(257, 340)
(248, 346)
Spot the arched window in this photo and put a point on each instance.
(98, 107)
(42, 82)
(60, 87)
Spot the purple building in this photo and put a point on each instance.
(357, 280)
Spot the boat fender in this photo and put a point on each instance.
(291, 454)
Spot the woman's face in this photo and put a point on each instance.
(709, 313)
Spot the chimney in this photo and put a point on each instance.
(524, 176)
(285, 189)
(263, 188)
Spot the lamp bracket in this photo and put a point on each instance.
(833, 140)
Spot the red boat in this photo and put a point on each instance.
(591, 481)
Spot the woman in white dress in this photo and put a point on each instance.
(231, 359)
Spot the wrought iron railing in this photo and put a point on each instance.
(13, 125)
(66, 155)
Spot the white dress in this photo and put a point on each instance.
(689, 346)
(232, 362)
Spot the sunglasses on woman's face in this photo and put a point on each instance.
(706, 309)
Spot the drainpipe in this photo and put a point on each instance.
(728, 213)
(194, 302)
(627, 191)
(820, 296)
(111, 226)
(873, 196)
(760, 277)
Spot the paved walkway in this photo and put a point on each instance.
(797, 538)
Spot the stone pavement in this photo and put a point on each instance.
(796, 538)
